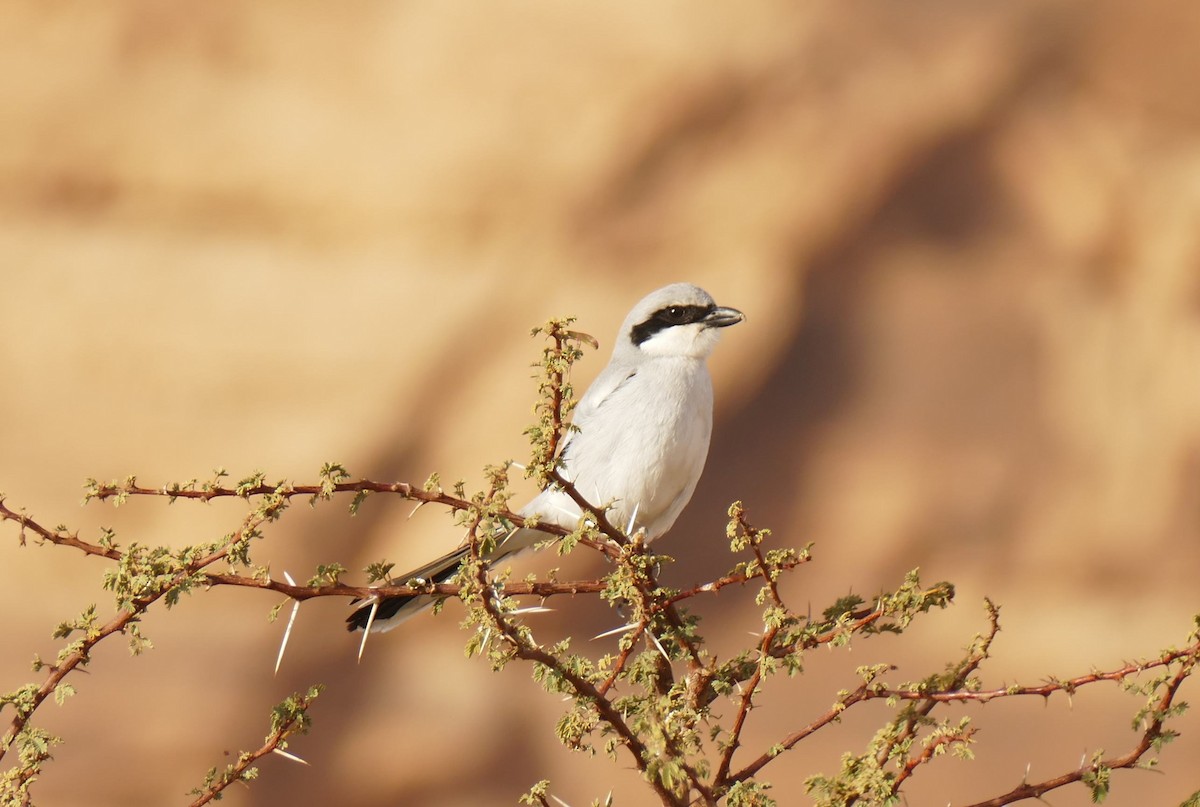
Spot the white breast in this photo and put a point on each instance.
(641, 446)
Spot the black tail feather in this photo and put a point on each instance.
(388, 607)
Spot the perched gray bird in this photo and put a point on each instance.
(641, 438)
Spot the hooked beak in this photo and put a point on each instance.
(723, 317)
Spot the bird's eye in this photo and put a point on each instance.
(676, 313)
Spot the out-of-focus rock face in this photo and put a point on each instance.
(268, 235)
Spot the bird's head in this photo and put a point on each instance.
(677, 320)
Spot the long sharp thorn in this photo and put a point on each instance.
(614, 631)
(658, 644)
(362, 645)
(533, 609)
(287, 633)
(286, 755)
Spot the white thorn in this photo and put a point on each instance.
(517, 465)
(507, 535)
(658, 644)
(533, 609)
(560, 801)
(420, 504)
(614, 631)
(286, 755)
(287, 633)
(632, 519)
(362, 645)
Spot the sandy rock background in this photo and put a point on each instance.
(966, 235)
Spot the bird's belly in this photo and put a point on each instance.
(649, 469)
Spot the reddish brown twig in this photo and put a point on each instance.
(745, 704)
(746, 700)
(298, 592)
(289, 725)
(528, 651)
(833, 715)
(117, 624)
(912, 721)
(1130, 760)
(1186, 657)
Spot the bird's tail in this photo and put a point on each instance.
(391, 611)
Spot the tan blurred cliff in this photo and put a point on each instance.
(966, 235)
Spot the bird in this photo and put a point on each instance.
(637, 447)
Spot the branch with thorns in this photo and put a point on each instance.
(632, 698)
(287, 719)
(785, 635)
(133, 607)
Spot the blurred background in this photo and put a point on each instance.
(265, 236)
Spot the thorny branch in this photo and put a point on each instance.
(525, 648)
(405, 490)
(1185, 656)
(298, 592)
(81, 652)
(556, 403)
(662, 740)
(745, 704)
(289, 718)
(912, 720)
(1150, 739)
(600, 695)
(746, 701)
